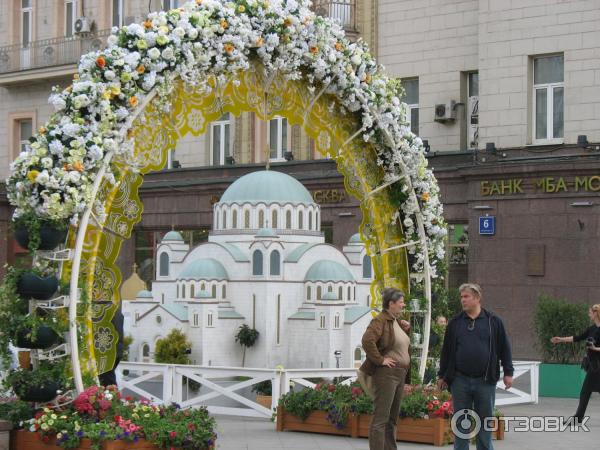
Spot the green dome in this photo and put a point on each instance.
(144, 294)
(329, 296)
(172, 236)
(355, 239)
(266, 232)
(267, 186)
(204, 269)
(328, 271)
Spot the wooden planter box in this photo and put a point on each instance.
(264, 400)
(316, 422)
(25, 440)
(427, 431)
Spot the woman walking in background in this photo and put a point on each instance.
(591, 361)
(388, 361)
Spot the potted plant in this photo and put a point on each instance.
(101, 418)
(15, 411)
(557, 317)
(34, 233)
(38, 385)
(35, 285)
(263, 393)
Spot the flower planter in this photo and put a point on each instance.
(50, 237)
(21, 440)
(552, 380)
(45, 337)
(264, 400)
(316, 422)
(25, 360)
(31, 285)
(427, 431)
(44, 393)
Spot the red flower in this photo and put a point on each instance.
(173, 434)
(356, 391)
(331, 387)
(446, 405)
(429, 406)
(318, 386)
(191, 426)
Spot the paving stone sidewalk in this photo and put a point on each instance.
(236, 433)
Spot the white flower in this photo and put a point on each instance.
(168, 54)
(109, 75)
(58, 102)
(179, 32)
(154, 53)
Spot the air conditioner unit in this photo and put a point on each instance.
(83, 25)
(445, 112)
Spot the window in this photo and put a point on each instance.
(288, 219)
(368, 301)
(70, 12)
(319, 292)
(246, 219)
(411, 98)
(177, 291)
(145, 351)
(322, 322)
(220, 140)
(277, 138)
(224, 223)
(213, 291)
(158, 320)
(340, 293)
(357, 357)
(234, 219)
(209, 319)
(223, 292)
(339, 10)
(26, 22)
(274, 219)
(117, 13)
(171, 4)
(349, 293)
(336, 321)
(275, 263)
(195, 320)
(473, 109)
(183, 291)
(457, 255)
(164, 264)
(261, 219)
(366, 267)
(310, 220)
(257, 263)
(308, 293)
(300, 220)
(25, 131)
(192, 290)
(548, 98)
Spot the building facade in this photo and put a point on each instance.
(508, 98)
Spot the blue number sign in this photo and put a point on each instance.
(487, 225)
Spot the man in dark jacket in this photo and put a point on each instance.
(475, 343)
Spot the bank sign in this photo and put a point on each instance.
(515, 186)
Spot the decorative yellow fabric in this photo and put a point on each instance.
(192, 109)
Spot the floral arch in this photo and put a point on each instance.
(178, 71)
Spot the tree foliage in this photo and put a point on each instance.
(172, 349)
(246, 337)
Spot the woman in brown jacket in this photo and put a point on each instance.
(388, 362)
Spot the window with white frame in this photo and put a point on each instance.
(223, 292)
(308, 293)
(277, 138)
(257, 263)
(220, 140)
(322, 322)
(473, 109)
(275, 263)
(195, 321)
(274, 219)
(366, 267)
(210, 319)
(336, 321)
(117, 13)
(548, 98)
(164, 265)
(70, 12)
(411, 98)
(25, 131)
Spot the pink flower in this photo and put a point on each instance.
(173, 434)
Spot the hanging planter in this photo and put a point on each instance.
(49, 237)
(44, 337)
(34, 286)
(43, 393)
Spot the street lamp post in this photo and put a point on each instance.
(338, 355)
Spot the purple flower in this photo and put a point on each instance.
(80, 433)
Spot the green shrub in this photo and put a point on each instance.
(173, 348)
(557, 317)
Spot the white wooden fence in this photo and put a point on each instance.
(168, 383)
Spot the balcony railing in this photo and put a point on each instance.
(342, 10)
(50, 52)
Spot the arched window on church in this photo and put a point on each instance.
(288, 219)
(257, 263)
(357, 357)
(310, 220)
(319, 292)
(300, 220)
(274, 223)
(349, 293)
(246, 219)
(145, 351)
(192, 290)
(367, 273)
(214, 291)
(340, 293)
(234, 219)
(261, 219)
(224, 219)
(223, 292)
(275, 263)
(183, 291)
(164, 264)
(308, 293)
(336, 321)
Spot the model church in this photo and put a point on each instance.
(266, 264)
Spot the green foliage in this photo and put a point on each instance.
(127, 341)
(21, 380)
(15, 411)
(172, 349)
(32, 223)
(263, 388)
(558, 317)
(246, 337)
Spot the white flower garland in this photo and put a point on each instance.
(53, 177)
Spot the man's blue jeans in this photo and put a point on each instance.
(477, 395)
